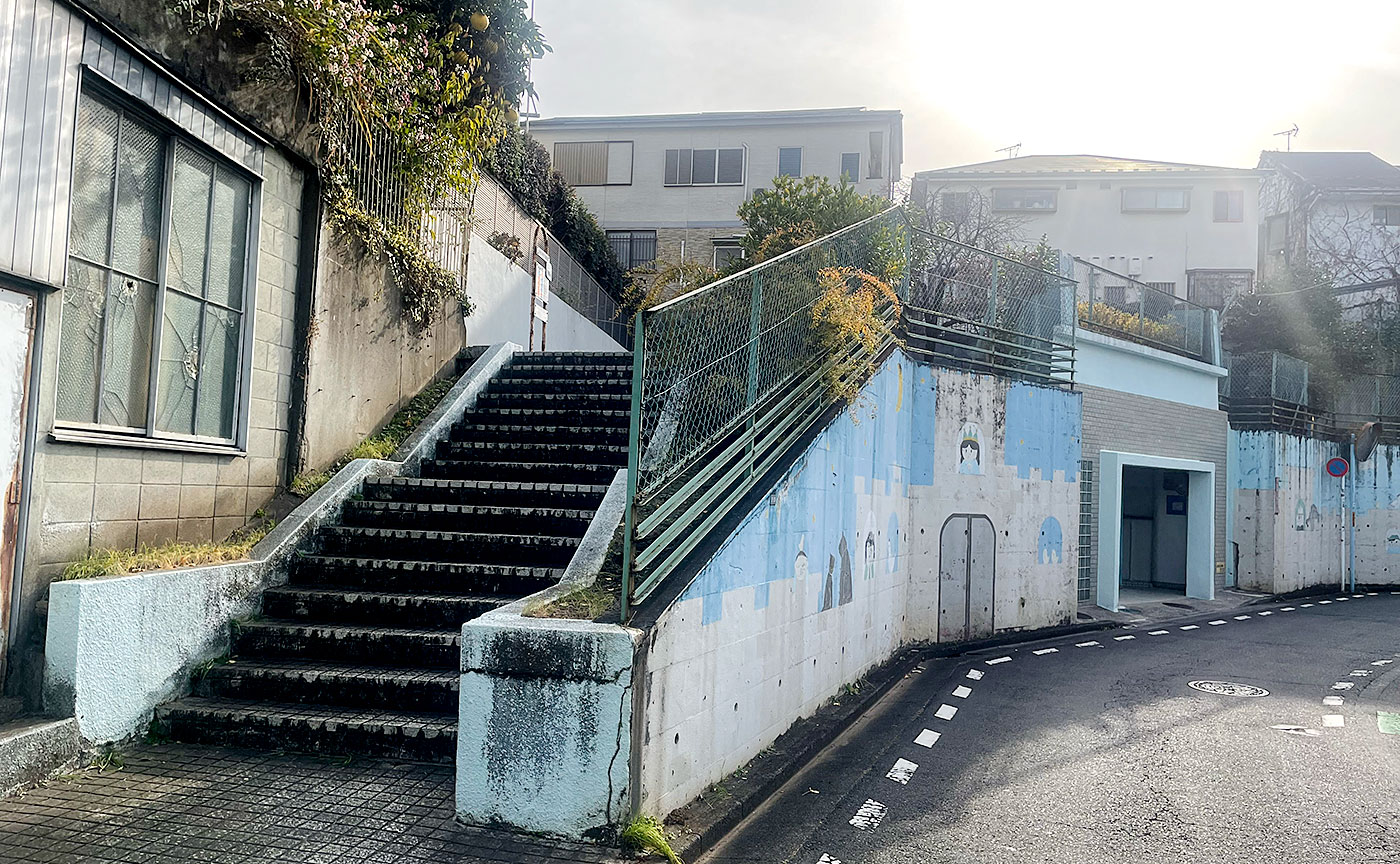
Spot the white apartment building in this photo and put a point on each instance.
(1190, 230)
(669, 186)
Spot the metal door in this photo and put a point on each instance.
(966, 578)
(16, 337)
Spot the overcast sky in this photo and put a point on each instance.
(1184, 81)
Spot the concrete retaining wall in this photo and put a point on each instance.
(1288, 520)
(118, 646)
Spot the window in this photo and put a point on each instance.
(1229, 206)
(850, 166)
(159, 257)
(1145, 199)
(1164, 287)
(877, 156)
(726, 252)
(954, 206)
(635, 249)
(722, 167)
(594, 163)
(1386, 214)
(1023, 199)
(1276, 233)
(789, 161)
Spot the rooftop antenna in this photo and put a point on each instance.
(1288, 137)
(1011, 152)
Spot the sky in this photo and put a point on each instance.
(1184, 81)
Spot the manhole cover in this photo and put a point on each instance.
(1227, 688)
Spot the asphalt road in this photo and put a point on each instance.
(1104, 753)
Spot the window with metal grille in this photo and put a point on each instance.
(1009, 198)
(1229, 206)
(1165, 287)
(160, 245)
(717, 167)
(850, 166)
(726, 253)
(634, 249)
(1086, 528)
(789, 161)
(877, 156)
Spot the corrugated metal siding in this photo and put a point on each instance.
(43, 47)
(39, 46)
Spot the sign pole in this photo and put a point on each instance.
(1339, 468)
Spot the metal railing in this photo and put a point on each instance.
(975, 310)
(1118, 305)
(1266, 375)
(495, 210)
(1272, 390)
(725, 380)
(375, 178)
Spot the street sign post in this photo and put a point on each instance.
(1339, 468)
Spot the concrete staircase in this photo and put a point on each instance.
(359, 652)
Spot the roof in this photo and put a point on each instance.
(725, 118)
(1336, 171)
(1077, 164)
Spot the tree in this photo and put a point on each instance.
(797, 211)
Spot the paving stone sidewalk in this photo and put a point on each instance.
(175, 803)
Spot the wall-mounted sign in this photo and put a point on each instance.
(1337, 466)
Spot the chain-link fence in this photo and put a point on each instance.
(1267, 375)
(972, 309)
(1118, 305)
(726, 378)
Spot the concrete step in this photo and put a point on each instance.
(473, 517)
(384, 574)
(274, 638)
(503, 493)
(560, 384)
(461, 546)
(376, 608)
(572, 453)
(556, 414)
(493, 400)
(520, 432)
(588, 372)
(571, 358)
(523, 472)
(327, 729)
(32, 748)
(308, 682)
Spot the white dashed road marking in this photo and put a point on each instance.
(870, 815)
(1381, 662)
(1332, 701)
(1309, 605)
(1089, 644)
(901, 772)
(975, 674)
(928, 738)
(1217, 622)
(1191, 627)
(1158, 632)
(1372, 593)
(1361, 673)
(1320, 603)
(1262, 614)
(1123, 638)
(998, 660)
(1046, 651)
(1241, 617)
(827, 859)
(1333, 721)
(1286, 609)
(962, 692)
(1344, 685)
(945, 712)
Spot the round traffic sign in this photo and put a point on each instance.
(1337, 466)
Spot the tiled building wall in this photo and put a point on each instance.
(1129, 423)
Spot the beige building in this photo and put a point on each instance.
(669, 186)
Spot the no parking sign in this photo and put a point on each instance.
(1337, 467)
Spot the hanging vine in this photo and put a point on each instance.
(408, 96)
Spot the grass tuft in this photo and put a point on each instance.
(584, 604)
(111, 562)
(382, 444)
(645, 834)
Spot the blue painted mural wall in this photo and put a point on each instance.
(838, 567)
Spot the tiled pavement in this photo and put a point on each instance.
(176, 803)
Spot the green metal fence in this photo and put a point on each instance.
(972, 309)
(725, 380)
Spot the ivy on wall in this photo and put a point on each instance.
(423, 89)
